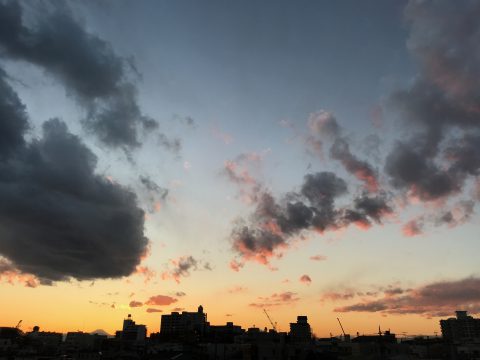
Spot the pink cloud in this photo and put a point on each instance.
(305, 279)
(318, 257)
(412, 228)
(146, 272)
(161, 300)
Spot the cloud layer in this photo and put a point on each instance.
(58, 219)
(440, 298)
(86, 65)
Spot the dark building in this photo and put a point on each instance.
(300, 331)
(223, 333)
(132, 332)
(184, 326)
(461, 329)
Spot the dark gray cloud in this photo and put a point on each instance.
(153, 193)
(410, 169)
(92, 73)
(323, 126)
(14, 120)
(183, 266)
(274, 223)
(58, 219)
(441, 103)
(367, 208)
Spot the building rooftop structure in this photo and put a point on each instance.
(460, 329)
(185, 325)
(300, 331)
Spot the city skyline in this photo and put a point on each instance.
(314, 158)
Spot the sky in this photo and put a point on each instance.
(310, 158)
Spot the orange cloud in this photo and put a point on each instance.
(134, 303)
(152, 310)
(161, 300)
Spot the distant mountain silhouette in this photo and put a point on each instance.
(100, 332)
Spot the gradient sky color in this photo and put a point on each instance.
(243, 97)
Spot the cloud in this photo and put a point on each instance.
(413, 227)
(11, 275)
(161, 300)
(153, 310)
(440, 108)
(276, 299)
(273, 224)
(239, 171)
(14, 119)
(324, 127)
(178, 309)
(180, 294)
(435, 299)
(432, 162)
(324, 124)
(183, 266)
(154, 194)
(237, 289)
(67, 221)
(305, 279)
(318, 257)
(361, 169)
(338, 296)
(86, 65)
(134, 303)
(146, 272)
(236, 265)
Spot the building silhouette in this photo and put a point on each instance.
(131, 331)
(184, 326)
(300, 331)
(461, 328)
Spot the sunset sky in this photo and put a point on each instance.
(316, 158)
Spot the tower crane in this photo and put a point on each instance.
(274, 325)
(343, 331)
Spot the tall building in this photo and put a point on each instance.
(463, 328)
(131, 331)
(300, 331)
(185, 325)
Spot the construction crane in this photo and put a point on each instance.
(274, 325)
(18, 324)
(343, 331)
